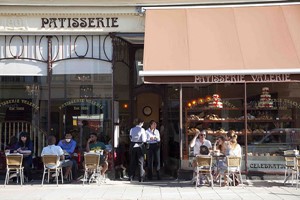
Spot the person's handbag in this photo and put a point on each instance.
(204, 150)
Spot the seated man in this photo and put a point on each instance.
(68, 145)
(52, 149)
(94, 145)
(201, 147)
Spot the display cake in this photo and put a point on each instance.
(265, 99)
(215, 102)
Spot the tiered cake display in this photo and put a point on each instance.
(215, 102)
(265, 99)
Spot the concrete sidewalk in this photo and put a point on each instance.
(165, 189)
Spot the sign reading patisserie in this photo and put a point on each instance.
(83, 22)
(243, 78)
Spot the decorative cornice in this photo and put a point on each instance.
(67, 11)
(67, 14)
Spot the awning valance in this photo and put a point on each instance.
(222, 40)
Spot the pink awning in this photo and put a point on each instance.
(222, 40)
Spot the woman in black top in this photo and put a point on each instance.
(25, 147)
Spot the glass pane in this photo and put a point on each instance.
(23, 107)
(82, 102)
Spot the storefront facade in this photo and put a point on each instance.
(62, 65)
(57, 70)
(246, 57)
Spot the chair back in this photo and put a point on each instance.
(289, 161)
(91, 160)
(50, 160)
(14, 160)
(233, 161)
(297, 162)
(204, 161)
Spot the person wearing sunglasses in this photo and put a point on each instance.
(201, 146)
(199, 141)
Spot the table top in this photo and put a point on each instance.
(213, 155)
(291, 155)
(15, 153)
(93, 152)
(218, 155)
(66, 153)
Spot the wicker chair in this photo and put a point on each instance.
(234, 169)
(14, 165)
(204, 168)
(296, 170)
(289, 166)
(92, 168)
(52, 165)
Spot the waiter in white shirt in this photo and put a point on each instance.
(153, 149)
(138, 138)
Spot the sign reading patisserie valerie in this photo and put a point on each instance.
(243, 78)
(84, 22)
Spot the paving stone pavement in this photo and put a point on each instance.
(165, 189)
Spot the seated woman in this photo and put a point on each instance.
(25, 147)
(232, 149)
(220, 145)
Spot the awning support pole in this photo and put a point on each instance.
(180, 124)
(246, 127)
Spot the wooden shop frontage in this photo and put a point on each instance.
(235, 68)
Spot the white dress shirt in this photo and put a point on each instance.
(138, 134)
(154, 134)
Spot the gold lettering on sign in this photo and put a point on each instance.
(76, 101)
(10, 102)
(243, 78)
(76, 108)
(271, 77)
(16, 108)
(220, 79)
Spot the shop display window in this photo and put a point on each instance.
(271, 109)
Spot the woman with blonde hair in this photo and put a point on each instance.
(233, 148)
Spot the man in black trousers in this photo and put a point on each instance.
(153, 153)
(138, 138)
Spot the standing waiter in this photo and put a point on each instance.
(153, 156)
(138, 138)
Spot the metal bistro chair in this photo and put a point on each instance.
(52, 165)
(289, 166)
(233, 168)
(204, 168)
(92, 168)
(14, 165)
(296, 170)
